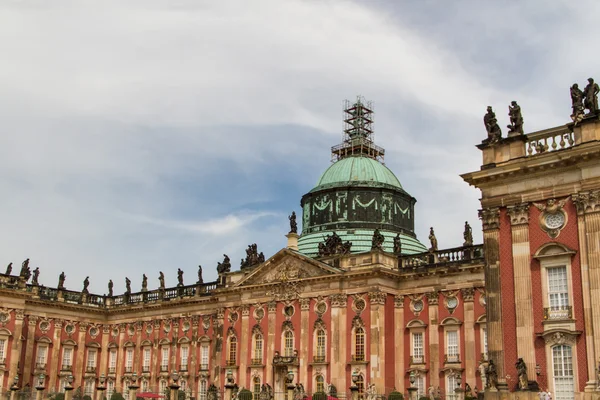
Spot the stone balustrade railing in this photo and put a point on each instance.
(442, 258)
(103, 301)
(552, 139)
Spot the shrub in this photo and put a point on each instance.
(245, 394)
(396, 395)
(319, 396)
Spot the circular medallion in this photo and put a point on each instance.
(148, 328)
(259, 313)
(418, 305)
(93, 331)
(69, 328)
(288, 311)
(115, 332)
(555, 220)
(452, 302)
(44, 326)
(321, 308)
(233, 316)
(3, 317)
(360, 305)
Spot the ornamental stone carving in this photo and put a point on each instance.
(205, 323)
(490, 218)
(221, 313)
(377, 297)
(399, 301)
(357, 322)
(587, 202)
(519, 214)
(339, 300)
(433, 298)
(19, 315)
(105, 329)
(468, 294)
(558, 338)
(286, 290)
(319, 324)
(304, 304)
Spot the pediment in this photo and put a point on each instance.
(287, 265)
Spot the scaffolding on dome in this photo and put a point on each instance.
(358, 133)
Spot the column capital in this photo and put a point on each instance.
(339, 300)
(490, 218)
(377, 297)
(587, 202)
(519, 214)
(433, 298)
(304, 304)
(399, 301)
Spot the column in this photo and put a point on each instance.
(29, 345)
(433, 350)
(490, 218)
(468, 354)
(55, 356)
(80, 354)
(244, 351)
(377, 340)
(339, 334)
(15, 351)
(521, 254)
(399, 340)
(305, 342)
(588, 221)
(270, 342)
(103, 356)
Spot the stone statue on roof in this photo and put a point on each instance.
(86, 283)
(25, 270)
(377, 240)
(110, 287)
(516, 119)
(36, 275)
(491, 125)
(590, 101)
(433, 240)
(8, 269)
(200, 279)
(127, 285)
(293, 224)
(576, 103)
(144, 282)
(61, 280)
(225, 266)
(179, 277)
(468, 235)
(161, 280)
(397, 245)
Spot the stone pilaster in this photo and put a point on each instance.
(15, 351)
(121, 360)
(490, 218)
(29, 347)
(521, 255)
(469, 357)
(433, 351)
(244, 351)
(79, 355)
(339, 330)
(138, 353)
(55, 356)
(270, 343)
(103, 354)
(305, 340)
(588, 222)
(399, 340)
(377, 340)
(156, 350)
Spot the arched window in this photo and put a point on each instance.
(256, 386)
(288, 344)
(232, 350)
(321, 340)
(359, 345)
(258, 349)
(320, 383)
(562, 368)
(202, 390)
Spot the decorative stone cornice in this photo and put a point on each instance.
(399, 301)
(339, 300)
(587, 202)
(377, 297)
(433, 298)
(468, 294)
(518, 214)
(304, 304)
(490, 218)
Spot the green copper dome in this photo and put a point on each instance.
(357, 170)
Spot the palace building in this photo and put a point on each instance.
(356, 298)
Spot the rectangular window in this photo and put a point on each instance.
(558, 292)
(112, 361)
(2, 349)
(452, 346)
(147, 357)
(258, 347)
(321, 344)
(164, 361)
(67, 354)
(88, 388)
(485, 345)
(129, 359)
(202, 390)
(110, 388)
(204, 358)
(91, 359)
(184, 355)
(420, 385)
(562, 368)
(417, 348)
(451, 385)
(41, 356)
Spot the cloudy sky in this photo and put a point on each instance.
(139, 136)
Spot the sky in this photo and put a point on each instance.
(146, 136)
